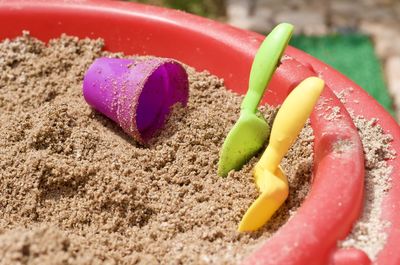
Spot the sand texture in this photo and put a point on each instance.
(75, 189)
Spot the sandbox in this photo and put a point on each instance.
(335, 200)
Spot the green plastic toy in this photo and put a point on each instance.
(251, 131)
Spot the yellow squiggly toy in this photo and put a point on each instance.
(269, 177)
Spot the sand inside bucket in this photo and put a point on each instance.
(74, 189)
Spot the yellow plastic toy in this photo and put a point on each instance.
(269, 177)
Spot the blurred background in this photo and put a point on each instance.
(360, 38)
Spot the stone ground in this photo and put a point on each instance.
(378, 18)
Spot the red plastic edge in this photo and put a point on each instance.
(350, 256)
(228, 53)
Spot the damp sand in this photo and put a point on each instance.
(74, 189)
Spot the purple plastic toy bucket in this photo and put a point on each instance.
(136, 94)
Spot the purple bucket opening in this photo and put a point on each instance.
(166, 86)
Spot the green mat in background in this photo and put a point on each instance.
(354, 56)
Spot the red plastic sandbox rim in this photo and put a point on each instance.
(335, 199)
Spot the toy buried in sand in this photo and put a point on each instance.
(251, 131)
(136, 94)
(269, 177)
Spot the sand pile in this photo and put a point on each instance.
(68, 172)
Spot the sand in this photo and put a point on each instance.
(74, 189)
(72, 175)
